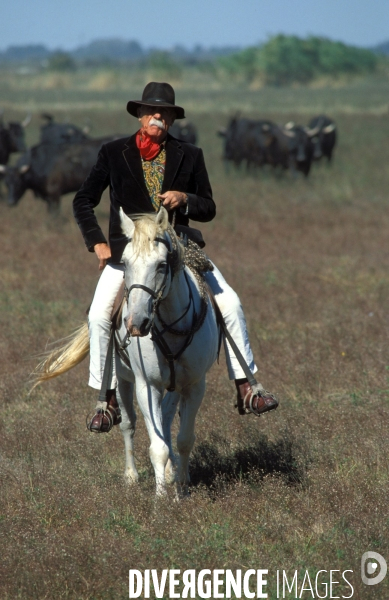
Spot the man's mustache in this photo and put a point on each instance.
(157, 123)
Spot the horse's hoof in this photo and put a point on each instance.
(131, 478)
(182, 493)
(170, 475)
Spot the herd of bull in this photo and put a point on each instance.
(65, 153)
(257, 143)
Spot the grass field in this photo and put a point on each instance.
(304, 488)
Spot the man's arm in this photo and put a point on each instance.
(200, 205)
(87, 198)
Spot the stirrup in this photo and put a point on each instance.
(104, 419)
(270, 401)
(256, 400)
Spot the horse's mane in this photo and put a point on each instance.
(149, 226)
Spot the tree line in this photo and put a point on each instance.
(282, 60)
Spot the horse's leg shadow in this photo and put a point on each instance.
(169, 407)
(189, 405)
(125, 395)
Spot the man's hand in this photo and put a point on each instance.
(103, 252)
(172, 200)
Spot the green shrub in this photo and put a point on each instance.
(286, 59)
(60, 61)
(243, 64)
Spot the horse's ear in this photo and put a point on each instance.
(126, 223)
(162, 218)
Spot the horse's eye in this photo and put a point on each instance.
(162, 266)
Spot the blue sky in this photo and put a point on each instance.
(70, 23)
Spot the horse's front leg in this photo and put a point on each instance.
(191, 399)
(150, 402)
(125, 393)
(169, 406)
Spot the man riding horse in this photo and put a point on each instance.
(143, 172)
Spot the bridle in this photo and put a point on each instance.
(157, 295)
(157, 335)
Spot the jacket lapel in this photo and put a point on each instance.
(174, 156)
(134, 163)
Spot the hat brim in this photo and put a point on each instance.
(133, 106)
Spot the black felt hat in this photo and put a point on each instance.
(156, 94)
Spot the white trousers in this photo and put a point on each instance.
(99, 320)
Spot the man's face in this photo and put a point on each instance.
(156, 121)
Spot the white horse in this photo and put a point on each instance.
(167, 339)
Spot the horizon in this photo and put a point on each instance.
(189, 48)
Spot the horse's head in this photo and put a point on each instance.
(151, 257)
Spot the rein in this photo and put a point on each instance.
(157, 334)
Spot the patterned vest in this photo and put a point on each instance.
(153, 172)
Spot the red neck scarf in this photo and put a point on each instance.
(147, 148)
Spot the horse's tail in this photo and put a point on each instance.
(71, 351)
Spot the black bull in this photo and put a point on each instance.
(246, 140)
(12, 138)
(61, 133)
(322, 131)
(263, 142)
(51, 171)
(185, 131)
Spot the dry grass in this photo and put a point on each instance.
(303, 488)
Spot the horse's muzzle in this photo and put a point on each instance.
(141, 330)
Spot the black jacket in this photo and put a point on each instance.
(119, 166)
